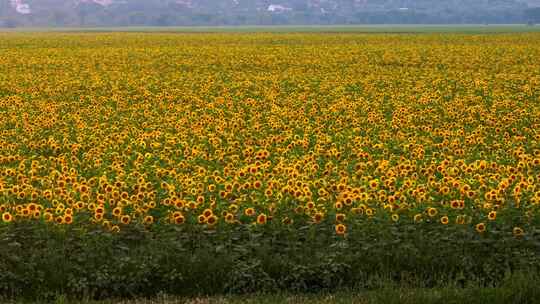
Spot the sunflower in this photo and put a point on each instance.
(518, 232)
(48, 217)
(68, 219)
(287, 221)
(445, 190)
(99, 210)
(481, 227)
(207, 213)
(318, 217)
(358, 211)
(233, 208)
(460, 219)
(492, 215)
(262, 219)
(117, 211)
(7, 217)
(340, 217)
(341, 229)
(79, 205)
(59, 220)
(21, 195)
(229, 217)
(212, 220)
(432, 211)
(180, 219)
(98, 216)
(444, 220)
(148, 219)
(249, 211)
(125, 219)
(32, 207)
(395, 217)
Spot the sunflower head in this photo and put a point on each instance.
(262, 219)
(518, 232)
(480, 227)
(125, 219)
(444, 220)
(148, 219)
(7, 217)
(340, 229)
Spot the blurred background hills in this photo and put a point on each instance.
(15, 13)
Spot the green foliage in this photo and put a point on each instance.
(41, 262)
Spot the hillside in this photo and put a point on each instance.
(266, 12)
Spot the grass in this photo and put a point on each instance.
(386, 296)
(390, 28)
(519, 288)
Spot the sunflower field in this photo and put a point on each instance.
(138, 163)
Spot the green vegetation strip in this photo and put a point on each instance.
(38, 263)
(516, 289)
(391, 28)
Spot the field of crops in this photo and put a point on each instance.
(132, 163)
